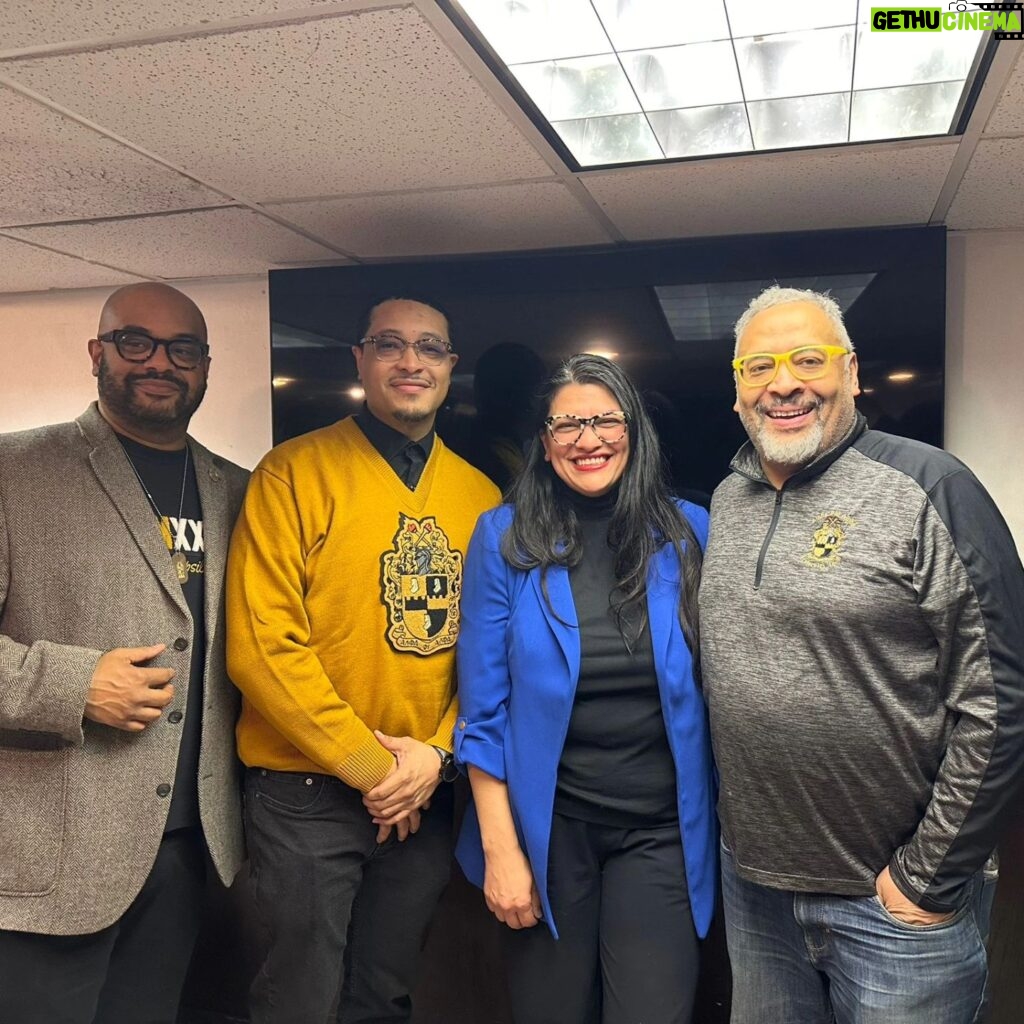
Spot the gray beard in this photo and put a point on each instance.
(788, 453)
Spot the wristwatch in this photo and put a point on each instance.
(447, 772)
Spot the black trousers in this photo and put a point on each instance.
(627, 948)
(129, 973)
(345, 919)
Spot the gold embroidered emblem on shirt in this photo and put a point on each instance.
(421, 580)
(828, 539)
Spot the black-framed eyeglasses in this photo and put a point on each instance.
(608, 427)
(389, 348)
(137, 346)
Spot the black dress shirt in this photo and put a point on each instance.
(407, 458)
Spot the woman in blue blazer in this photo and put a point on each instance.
(582, 726)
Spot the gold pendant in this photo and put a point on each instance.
(180, 563)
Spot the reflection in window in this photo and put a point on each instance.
(684, 76)
(585, 87)
(802, 121)
(611, 140)
(702, 131)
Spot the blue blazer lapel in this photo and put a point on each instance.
(663, 604)
(561, 615)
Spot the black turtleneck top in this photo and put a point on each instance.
(616, 767)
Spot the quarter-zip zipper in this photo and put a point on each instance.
(776, 512)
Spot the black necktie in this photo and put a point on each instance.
(415, 458)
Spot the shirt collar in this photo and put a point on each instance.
(388, 441)
(748, 463)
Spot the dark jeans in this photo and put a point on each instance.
(812, 958)
(129, 973)
(345, 917)
(627, 949)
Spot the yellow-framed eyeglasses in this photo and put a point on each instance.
(805, 363)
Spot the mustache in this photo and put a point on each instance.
(167, 377)
(779, 402)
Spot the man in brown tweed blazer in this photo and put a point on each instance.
(118, 779)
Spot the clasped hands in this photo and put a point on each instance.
(396, 801)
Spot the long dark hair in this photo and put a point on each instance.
(546, 532)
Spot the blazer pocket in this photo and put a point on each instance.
(33, 794)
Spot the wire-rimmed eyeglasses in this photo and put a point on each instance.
(608, 427)
(808, 362)
(137, 346)
(389, 348)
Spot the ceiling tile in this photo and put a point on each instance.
(774, 192)
(54, 169)
(30, 269)
(371, 101)
(989, 194)
(208, 243)
(1008, 116)
(500, 218)
(37, 22)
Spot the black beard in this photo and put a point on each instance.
(411, 417)
(120, 399)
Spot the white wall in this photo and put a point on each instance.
(984, 368)
(45, 372)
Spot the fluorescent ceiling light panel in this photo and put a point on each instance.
(632, 81)
(639, 24)
(707, 312)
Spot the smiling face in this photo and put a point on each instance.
(791, 422)
(591, 467)
(405, 394)
(152, 401)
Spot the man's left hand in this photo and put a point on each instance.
(900, 907)
(409, 786)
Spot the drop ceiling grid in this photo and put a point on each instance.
(28, 268)
(208, 243)
(989, 194)
(370, 101)
(40, 22)
(779, 192)
(500, 218)
(52, 168)
(1008, 116)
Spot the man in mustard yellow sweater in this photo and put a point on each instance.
(343, 610)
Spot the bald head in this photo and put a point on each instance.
(150, 398)
(151, 303)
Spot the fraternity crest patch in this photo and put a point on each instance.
(828, 539)
(421, 580)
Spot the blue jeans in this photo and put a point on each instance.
(809, 958)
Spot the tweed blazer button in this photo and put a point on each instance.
(180, 644)
(163, 789)
(174, 717)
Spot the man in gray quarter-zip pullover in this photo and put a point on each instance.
(862, 634)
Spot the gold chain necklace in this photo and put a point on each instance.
(178, 559)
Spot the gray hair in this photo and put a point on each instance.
(778, 296)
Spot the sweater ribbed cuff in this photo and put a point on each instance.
(366, 766)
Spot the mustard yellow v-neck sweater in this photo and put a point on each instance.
(342, 603)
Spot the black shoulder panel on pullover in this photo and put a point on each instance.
(986, 549)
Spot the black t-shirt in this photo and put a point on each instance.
(181, 524)
(616, 767)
